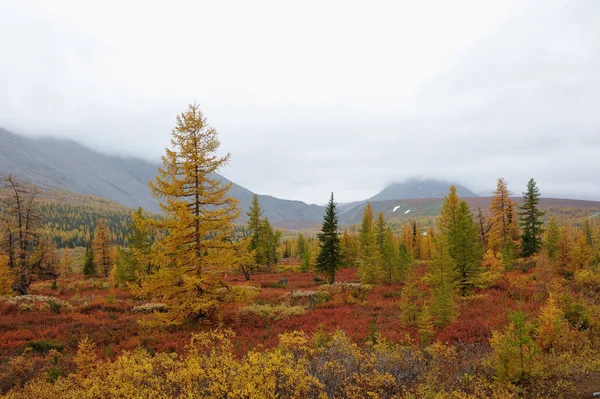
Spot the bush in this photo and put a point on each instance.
(43, 346)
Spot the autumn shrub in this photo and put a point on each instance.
(515, 351)
(272, 312)
(150, 308)
(43, 346)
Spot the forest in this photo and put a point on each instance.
(501, 300)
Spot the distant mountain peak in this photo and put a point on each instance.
(420, 188)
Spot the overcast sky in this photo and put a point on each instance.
(315, 96)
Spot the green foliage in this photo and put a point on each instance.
(458, 227)
(44, 346)
(369, 270)
(441, 276)
(410, 299)
(89, 266)
(516, 353)
(530, 219)
(268, 241)
(329, 258)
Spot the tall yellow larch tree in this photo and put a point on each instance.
(408, 239)
(197, 245)
(369, 270)
(103, 249)
(65, 263)
(427, 244)
(504, 230)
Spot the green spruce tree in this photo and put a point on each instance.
(530, 219)
(329, 258)
(89, 266)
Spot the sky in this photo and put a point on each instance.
(318, 96)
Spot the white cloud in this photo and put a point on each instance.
(318, 96)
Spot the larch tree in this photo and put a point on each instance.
(441, 276)
(458, 227)
(410, 299)
(504, 231)
(329, 258)
(391, 270)
(417, 238)
(465, 249)
(530, 219)
(65, 263)
(136, 259)
(301, 246)
(102, 246)
(369, 270)
(197, 244)
(350, 248)
(255, 222)
(268, 241)
(447, 219)
(380, 227)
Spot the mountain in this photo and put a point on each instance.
(67, 165)
(420, 188)
(405, 210)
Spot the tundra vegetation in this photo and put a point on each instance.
(502, 302)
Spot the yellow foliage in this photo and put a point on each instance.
(86, 357)
(6, 277)
(196, 247)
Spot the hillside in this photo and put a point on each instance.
(67, 165)
(424, 208)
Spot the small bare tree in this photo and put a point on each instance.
(29, 257)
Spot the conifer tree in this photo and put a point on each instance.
(441, 276)
(515, 350)
(255, 222)
(350, 248)
(329, 258)
(103, 248)
(447, 219)
(391, 269)
(380, 227)
(65, 263)
(301, 248)
(410, 299)
(417, 237)
(464, 248)
(531, 220)
(504, 230)
(457, 226)
(267, 245)
(89, 266)
(198, 223)
(404, 259)
(369, 270)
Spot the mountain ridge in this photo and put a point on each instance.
(67, 165)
